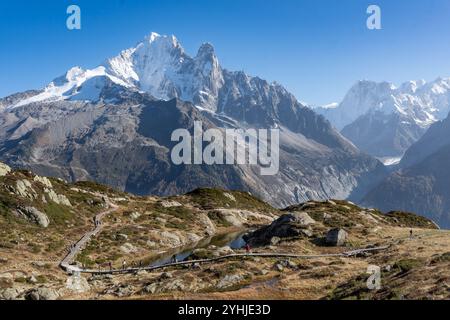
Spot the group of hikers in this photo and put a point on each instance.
(97, 222)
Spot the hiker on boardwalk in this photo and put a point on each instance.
(110, 266)
(411, 233)
(248, 248)
(174, 259)
(124, 265)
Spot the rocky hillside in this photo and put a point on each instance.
(301, 247)
(422, 182)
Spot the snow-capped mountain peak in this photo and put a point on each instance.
(384, 120)
(411, 86)
(72, 85)
(157, 65)
(423, 102)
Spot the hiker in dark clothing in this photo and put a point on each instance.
(174, 259)
(248, 248)
(411, 234)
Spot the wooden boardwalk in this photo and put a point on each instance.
(67, 263)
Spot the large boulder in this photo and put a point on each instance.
(42, 294)
(4, 169)
(290, 225)
(336, 237)
(77, 284)
(302, 218)
(33, 215)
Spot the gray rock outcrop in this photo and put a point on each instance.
(336, 237)
(33, 215)
(42, 294)
(290, 225)
(4, 169)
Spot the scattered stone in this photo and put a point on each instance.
(193, 238)
(175, 285)
(223, 251)
(279, 267)
(170, 204)
(229, 281)
(286, 264)
(121, 237)
(274, 241)
(32, 280)
(128, 248)
(100, 277)
(307, 232)
(123, 291)
(200, 253)
(336, 237)
(291, 265)
(43, 180)
(135, 215)
(140, 273)
(42, 294)
(151, 288)
(4, 169)
(78, 284)
(9, 294)
(151, 244)
(263, 272)
(239, 217)
(229, 196)
(166, 275)
(161, 220)
(38, 264)
(6, 276)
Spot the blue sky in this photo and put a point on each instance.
(315, 48)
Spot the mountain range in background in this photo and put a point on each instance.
(113, 124)
(422, 181)
(384, 120)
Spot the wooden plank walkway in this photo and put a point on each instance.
(67, 262)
